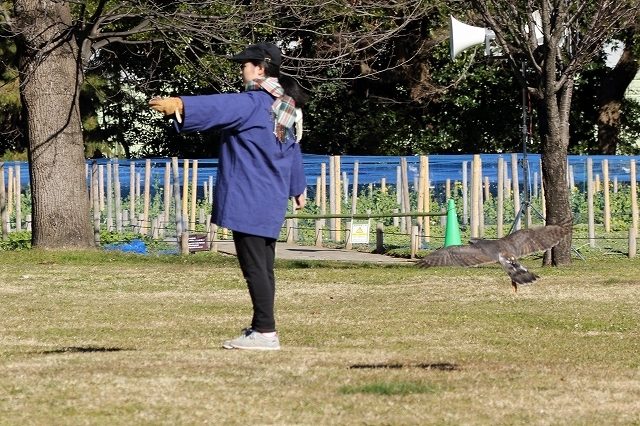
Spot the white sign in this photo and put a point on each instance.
(360, 233)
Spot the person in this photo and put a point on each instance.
(259, 169)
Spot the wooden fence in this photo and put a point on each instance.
(181, 207)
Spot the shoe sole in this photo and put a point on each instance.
(252, 348)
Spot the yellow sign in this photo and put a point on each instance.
(359, 233)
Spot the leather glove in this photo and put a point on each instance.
(168, 106)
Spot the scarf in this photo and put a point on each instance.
(283, 109)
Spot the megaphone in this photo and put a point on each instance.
(463, 36)
(537, 23)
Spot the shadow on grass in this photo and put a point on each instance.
(443, 366)
(81, 349)
(337, 264)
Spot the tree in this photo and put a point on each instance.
(547, 43)
(610, 94)
(57, 41)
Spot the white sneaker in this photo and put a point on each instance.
(253, 340)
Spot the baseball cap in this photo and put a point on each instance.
(266, 52)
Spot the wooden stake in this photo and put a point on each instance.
(634, 196)
(147, 195)
(176, 196)
(18, 199)
(3, 205)
(185, 190)
(515, 181)
(500, 201)
(607, 203)
(194, 195)
(590, 213)
(118, 195)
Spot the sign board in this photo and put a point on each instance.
(198, 242)
(360, 233)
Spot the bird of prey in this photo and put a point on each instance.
(505, 251)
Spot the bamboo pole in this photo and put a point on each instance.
(447, 190)
(132, 192)
(634, 197)
(147, 196)
(3, 204)
(543, 201)
(10, 192)
(354, 188)
(480, 198)
(118, 195)
(323, 188)
(427, 200)
(383, 185)
(205, 189)
(185, 189)
(337, 197)
(166, 194)
(475, 195)
(194, 195)
(332, 197)
(405, 192)
(590, 185)
(101, 186)
(465, 197)
(176, 195)
(487, 189)
(345, 187)
(211, 189)
(96, 202)
(507, 181)
(18, 189)
(572, 178)
(109, 198)
(500, 201)
(421, 191)
(399, 185)
(607, 202)
(319, 226)
(318, 192)
(515, 181)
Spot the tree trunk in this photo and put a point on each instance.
(610, 95)
(553, 111)
(51, 76)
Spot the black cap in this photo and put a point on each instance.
(266, 52)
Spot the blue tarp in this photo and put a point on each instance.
(134, 246)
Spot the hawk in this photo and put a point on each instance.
(505, 251)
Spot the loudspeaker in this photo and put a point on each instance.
(463, 36)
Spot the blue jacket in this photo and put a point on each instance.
(257, 174)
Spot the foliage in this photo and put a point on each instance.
(16, 241)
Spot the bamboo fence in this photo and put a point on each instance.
(179, 204)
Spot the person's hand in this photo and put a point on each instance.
(168, 106)
(301, 201)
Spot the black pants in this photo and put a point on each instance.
(256, 256)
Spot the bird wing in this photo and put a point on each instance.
(532, 240)
(456, 256)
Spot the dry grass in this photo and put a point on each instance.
(107, 339)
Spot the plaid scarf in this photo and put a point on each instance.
(284, 107)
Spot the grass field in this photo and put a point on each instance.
(107, 338)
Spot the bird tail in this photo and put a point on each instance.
(518, 273)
